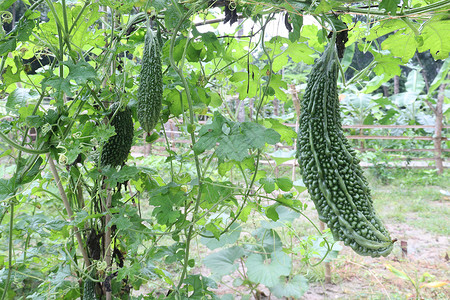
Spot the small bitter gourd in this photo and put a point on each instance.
(89, 290)
(329, 168)
(118, 146)
(150, 89)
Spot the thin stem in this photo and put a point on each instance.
(10, 247)
(22, 148)
(168, 148)
(108, 236)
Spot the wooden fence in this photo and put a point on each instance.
(176, 138)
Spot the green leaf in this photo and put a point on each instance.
(385, 27)
(272, 213)
(300, 52)
(5, 4)
(375, 83)
(81, 72)
(167, 201)
(281, 156)
(268, 184)
(390, 6)
(290, 287)
(348, 57)
(35, 169)
(9, 77)
(19, 98)
(287, 133)
(284, 183)
(435, 39)
(386, 65)
(323, 7)
(222, 263)
(297, 23)
(415, 82)
(396, 272)
(7, 188)
(267, 272)
(299, 185)
(401, 44)
(173, 15)
(124, 174)
(59, 84)
(285, 215)
(319, 249)
(7, 46)
(268, 238)
(441, 76)
(229, 237)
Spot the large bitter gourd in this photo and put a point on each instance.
(118, 146)
(329, 168)
(150, 89)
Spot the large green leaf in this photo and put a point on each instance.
(441, 76)
(222, 263)
(415, 82)
(268, 272)
(229, 237)
(81, 72)
(289, 287)
(401, 44)
(20, 98)
(6, 188)
(435, 39)
(167, 201)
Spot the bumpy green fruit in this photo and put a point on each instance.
(150, 90)
(329, 168)
(118, 146)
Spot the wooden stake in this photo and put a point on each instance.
(68, 209)
(327, 264)
(438, 128)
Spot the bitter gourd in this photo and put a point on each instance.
(118, 146)
(329, 168)
(89, 290)
(151, 85)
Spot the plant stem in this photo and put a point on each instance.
(10, 247)
(108, 236)
(22, 148)
(68, 209)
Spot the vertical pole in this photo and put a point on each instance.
(438, 129)
(327, 264)
(276, 112)
(297, 112)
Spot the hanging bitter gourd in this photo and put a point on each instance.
(89, 290)
(118, 146)
(329, 168)
(151, 85)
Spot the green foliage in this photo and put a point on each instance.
(63, 62)
(234, 139)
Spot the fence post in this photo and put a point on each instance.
(438, 129)
(296, 101)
